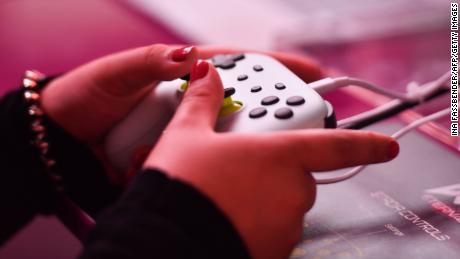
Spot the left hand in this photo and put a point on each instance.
(90, 100)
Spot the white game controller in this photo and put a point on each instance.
(261, 94)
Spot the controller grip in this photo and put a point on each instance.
(142, 127)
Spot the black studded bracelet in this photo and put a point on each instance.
(32, 83)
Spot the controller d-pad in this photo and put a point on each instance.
(226, 61)
(226, 64)
(237, 57)
(222, 61)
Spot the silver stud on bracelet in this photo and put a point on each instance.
(31, 86)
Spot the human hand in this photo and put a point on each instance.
(260, 181)
(90, 100)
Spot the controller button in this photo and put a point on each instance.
(269, 100)
(257, 112)
(229, 91)
(242, 77)
(295, 100)
(280, 86)
(186, 77)
(226, 61)
(217, 59)
(227, 64)
(256, 88)
(283, 113)
(257, 68)
(237, 57)
(223, 61)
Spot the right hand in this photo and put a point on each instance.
(260, 181)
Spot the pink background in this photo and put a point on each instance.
(55, 36)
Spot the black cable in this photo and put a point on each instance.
(393, 111)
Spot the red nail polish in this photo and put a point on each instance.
(199, 70)
(180, 54)
(393, 149)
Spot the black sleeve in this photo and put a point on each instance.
(159, 217)
(25, 189)
(156, 218)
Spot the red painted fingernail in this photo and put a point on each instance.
(199, 70)
(180, 54)
(393, 149)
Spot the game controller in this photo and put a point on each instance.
(261, 95)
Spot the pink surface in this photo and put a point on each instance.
(393, 62)
(55, 36)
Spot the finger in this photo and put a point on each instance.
(304, 67)
(137, 160)
(125, 72)
(323, 150)
(202, 100)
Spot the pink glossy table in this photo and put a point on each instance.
(53, 37)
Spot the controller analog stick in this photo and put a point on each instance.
(229, 106)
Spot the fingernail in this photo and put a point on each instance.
(180, 54)
(393, 149)
(199, 70)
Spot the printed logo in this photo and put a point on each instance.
(450, 190)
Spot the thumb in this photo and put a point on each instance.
(202, 100)
(102, 92)
(124, 73)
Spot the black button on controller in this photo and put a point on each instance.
(242, 77)
(257, 112)
(222, 61)
(257, 68)
(237, 57)
(226, 61)
(256, 88)
(283, 113)
(295, 100)
(269, 100)
(229, 91)
(280, 86)
(227, 64)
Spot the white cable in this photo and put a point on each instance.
(396, 135)
(329, 84)
(414, 93)
(419, 93)
(345, 81)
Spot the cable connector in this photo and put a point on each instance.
(414, 94)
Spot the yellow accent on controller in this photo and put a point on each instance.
(183, 87)
(229, 106)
